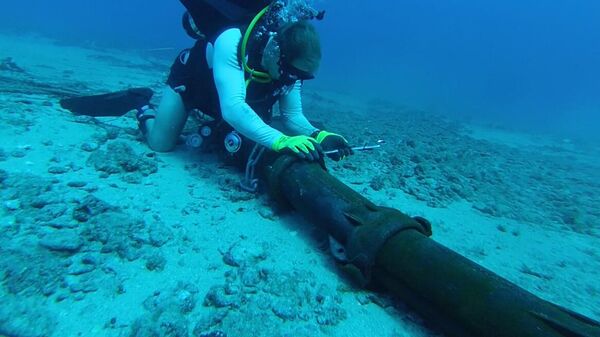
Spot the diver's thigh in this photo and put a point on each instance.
(170, 119)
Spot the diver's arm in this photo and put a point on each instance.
(231, 86)
(292, 117)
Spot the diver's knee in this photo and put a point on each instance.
(160, 145)
(161, 148)
(172, 97)
(163, 131)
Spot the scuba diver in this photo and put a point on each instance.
(238, 79)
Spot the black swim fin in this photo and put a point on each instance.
(108, 105)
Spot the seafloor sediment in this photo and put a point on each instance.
(101, 236)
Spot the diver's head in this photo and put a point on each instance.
(293, 53)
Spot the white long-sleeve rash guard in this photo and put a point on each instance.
(231, 87)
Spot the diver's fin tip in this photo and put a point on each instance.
(113, 104)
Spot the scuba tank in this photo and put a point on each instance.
(207, 18)
(213, 16)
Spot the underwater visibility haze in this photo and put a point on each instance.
(470, 205)
(527, 64)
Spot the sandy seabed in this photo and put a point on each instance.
(99, 236)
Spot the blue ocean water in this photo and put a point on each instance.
(102, 236)
(527, 64)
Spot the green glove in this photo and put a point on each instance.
(303, 146)
(333, 142)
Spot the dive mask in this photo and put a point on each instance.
(288, 74)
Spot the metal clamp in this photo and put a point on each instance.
(249, 183)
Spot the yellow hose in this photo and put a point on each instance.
(255, 75)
